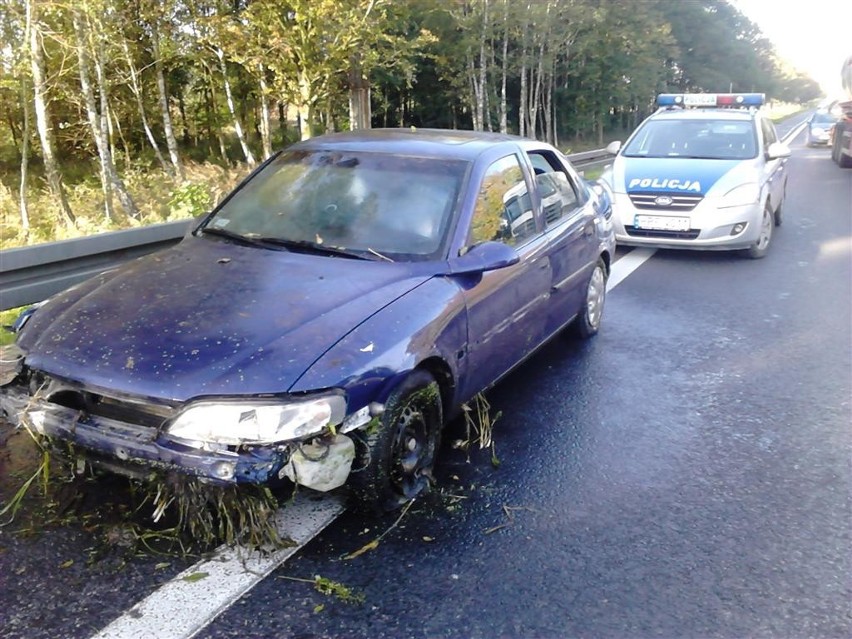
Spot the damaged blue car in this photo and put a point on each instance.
(326, 319)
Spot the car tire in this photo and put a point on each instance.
(395, 457)
(760, 248)
(588, 322)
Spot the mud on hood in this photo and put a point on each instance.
(209, 318)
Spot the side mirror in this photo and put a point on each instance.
(613, 147)
(488, 256)
(777, 150)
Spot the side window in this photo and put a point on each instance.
(503, 208)
(558, 195)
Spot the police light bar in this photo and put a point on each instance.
(711, 99)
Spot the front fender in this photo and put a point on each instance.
(430, 321)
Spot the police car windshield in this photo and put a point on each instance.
(701, 139)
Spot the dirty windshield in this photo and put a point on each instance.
(372, 204)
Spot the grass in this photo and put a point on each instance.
(163, 514)
(158, 196)
(6, 319)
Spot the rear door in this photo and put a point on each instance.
(572, 244)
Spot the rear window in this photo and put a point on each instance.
(824, 118)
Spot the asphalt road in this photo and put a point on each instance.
(687, 473)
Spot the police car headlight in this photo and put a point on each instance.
(742, 195)
(234, 423)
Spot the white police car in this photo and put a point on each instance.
(706, 171)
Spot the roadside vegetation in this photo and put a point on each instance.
(118, 114)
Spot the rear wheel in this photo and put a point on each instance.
(588, 322)
(395, 460)
(761, 247)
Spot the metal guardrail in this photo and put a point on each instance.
(33, 273)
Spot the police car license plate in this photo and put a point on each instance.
(661, 223)
(699, 99)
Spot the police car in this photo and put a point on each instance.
(706, 171)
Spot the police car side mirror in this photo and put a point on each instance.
(613, 147)
(777, 150)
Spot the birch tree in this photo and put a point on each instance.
(42, 111)
(87, 48)
(165, 114)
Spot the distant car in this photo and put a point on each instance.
(706, 171)
(818, 131)
(324, 322)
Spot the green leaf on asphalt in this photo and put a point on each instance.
(196, 576)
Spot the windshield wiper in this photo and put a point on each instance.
(237, 237)
(310, 247)
(278, 243)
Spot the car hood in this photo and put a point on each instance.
(669, 175)
(209, 317)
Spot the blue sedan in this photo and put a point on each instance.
(327, 318)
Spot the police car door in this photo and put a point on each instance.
(774, 171)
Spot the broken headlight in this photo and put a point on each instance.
(253, 422)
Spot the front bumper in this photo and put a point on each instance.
(815, 139)
(710, 228)
(136, 450)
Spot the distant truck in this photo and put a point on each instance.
(841, 143)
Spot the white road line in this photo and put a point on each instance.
(189, 602)
(626, 265)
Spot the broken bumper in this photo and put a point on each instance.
(136, 450)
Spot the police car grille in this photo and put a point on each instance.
(668, 235)
(680, 202)
(552, 211)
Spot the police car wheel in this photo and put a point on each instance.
(760, 248)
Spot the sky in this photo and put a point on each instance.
(815, 36)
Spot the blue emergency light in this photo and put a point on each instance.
(711, 99)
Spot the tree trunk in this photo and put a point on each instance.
(230, 101)
(171, 141)
(547, 112)
(523, 117)
(140, 105)
(220, 139)
(504, 117)
(98, 122)
(474, 93)
(25, 159)
(51, 169)
(265, 119)
(483, 65)
(304, 111)
(359, 96)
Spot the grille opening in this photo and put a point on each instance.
(133, 412)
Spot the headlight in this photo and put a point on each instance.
(742, 195)
(234, 423)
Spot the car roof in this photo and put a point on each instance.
(437, 143)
